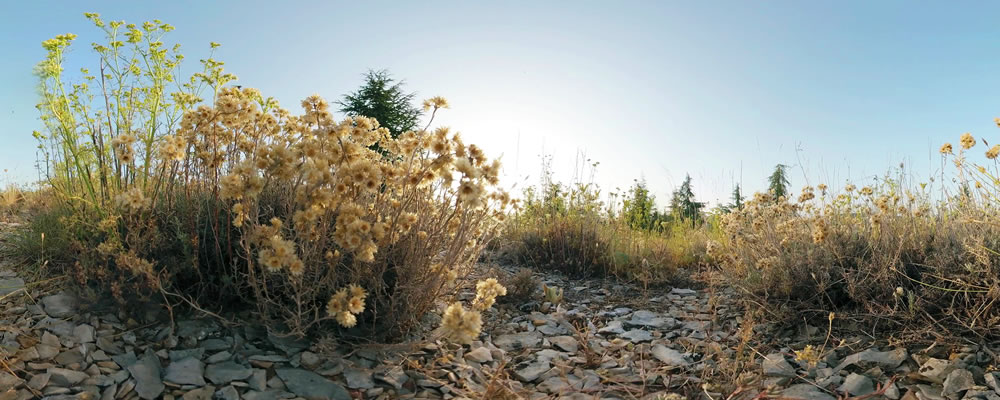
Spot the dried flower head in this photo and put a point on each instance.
(461, 325)
(487, 292)
(967, 141)
(435, 103)
(993, 152)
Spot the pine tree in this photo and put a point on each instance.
(737, 203)
(683, 202)
(639, 206)
(383, 98)
(778, 181)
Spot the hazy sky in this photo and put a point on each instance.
(721, 90)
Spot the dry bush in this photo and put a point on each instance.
(237, 202)
(522, 286)
(11, 198)
(903, 255)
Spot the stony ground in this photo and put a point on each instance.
(604, 340)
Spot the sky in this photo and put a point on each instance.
(721, 90)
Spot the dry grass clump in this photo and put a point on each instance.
(902, 255)
(307, 218)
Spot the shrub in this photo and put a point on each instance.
(239, 201)
(522, 286)
(888, 251)
(574, 232)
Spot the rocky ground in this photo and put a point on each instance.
(605, 340)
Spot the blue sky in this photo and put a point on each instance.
(721, 90)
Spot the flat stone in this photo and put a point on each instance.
(65, 377)
(774, 364)
(637, 335)
(805, 391)
(289, 344)
(227, 393)
(358, 378)
(395, 376)
(39, 381)
(177, 355)
(146, 373)
(936, 370)
(479, 355)
(198, 329)
(958, 381)
(310, 385)
(189, 371)
(225, 372)
(204, 393)
(552, 330)
(69, 357)
(649, 319)
(668, 356)
(219, 357)
(83, 333)
(309, 359)
(565, 343)
(870, 358)
(683, 292)
(613, 327)
(993, 381)
(8, 381)
(125, 360)
(267, 395)
(554, 385)
(215, 344)
(45, 351)
(857, 385)
(10, 285)
(518, 341)
(258, 381)
(109, 345)
(532, 371)
(60, 305)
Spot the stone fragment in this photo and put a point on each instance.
(84, 333)
(518, 341)
(870, 358)
(60, 305)
(310, 385)
(668, 356)
(226, 372)
(637, 335)
(857, 385)
(805, 391)
(146, 372)
(957, 381)
(532, 371)
(359, 378)
(189, 371)
(612, 327)
(479, 355)
(776, 365)
(65, 377)
(10, 285)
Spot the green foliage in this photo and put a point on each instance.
(778, 181)
(383, 98)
